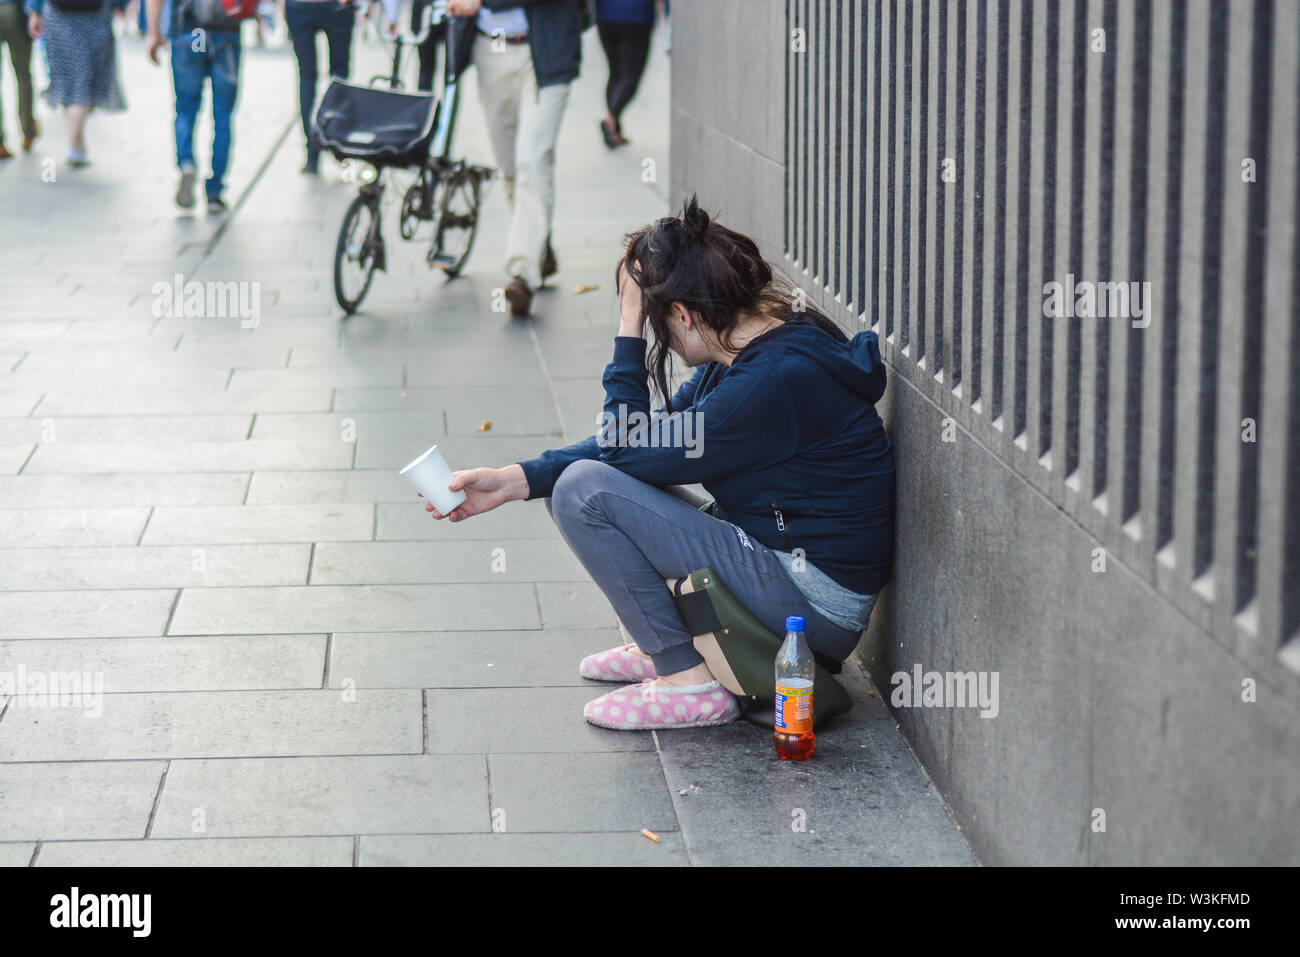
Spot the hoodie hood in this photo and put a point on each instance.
(855, 364)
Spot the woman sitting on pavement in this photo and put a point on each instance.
(777, 423)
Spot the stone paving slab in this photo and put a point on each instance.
(209, 663)
(162, 428)
(85, 614)
(523, 521)
(248, 524)
(523, 720)
(242, 456)
(77, 800)
(461, 451)
(574, 605)
(320, 488)
(502, 416)
(608, 849)
(18, 401)
(216, 724)
(22, 528)
(614, 792)
(133, 359)
(13, 854)
(486, 659)
(238, 611)
(434, 399)
(167, 566)
(149, 399)
(125, 490)
(200, 852)
(12, 457)
(284, 380)
(249, 797)
(123, 378)
(347, 563)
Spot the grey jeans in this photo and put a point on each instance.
(631, 536)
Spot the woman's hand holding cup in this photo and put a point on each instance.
(485, 489)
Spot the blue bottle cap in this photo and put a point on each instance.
(795, 623)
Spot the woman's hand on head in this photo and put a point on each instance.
(485, 489)
(631, 321)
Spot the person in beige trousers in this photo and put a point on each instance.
(526, 52)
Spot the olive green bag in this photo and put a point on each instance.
(741, 652)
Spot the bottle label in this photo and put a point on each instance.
(794, 708)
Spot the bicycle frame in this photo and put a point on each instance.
(434, 14)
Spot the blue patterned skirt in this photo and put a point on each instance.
(82, 58)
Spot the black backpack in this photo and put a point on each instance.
(78, 6)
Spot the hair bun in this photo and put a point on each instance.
(695, 220)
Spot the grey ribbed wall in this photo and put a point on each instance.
(1122, 688)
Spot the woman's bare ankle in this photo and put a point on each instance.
(697, 675)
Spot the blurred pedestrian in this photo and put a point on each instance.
(83, 62)
(306, 18)
(13, 34)
(428, 50)
(215, 61)
(624, 27)
(526, 57)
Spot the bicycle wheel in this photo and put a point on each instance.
(358, 252)
(457, 223)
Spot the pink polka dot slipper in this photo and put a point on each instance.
(643, 708)
(617, 664)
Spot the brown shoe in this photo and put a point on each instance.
(519, 296)
(4, 152)
(29, 140)
(549, 265)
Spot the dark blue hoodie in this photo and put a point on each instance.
(786, 440)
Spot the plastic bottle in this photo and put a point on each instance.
(795, 670)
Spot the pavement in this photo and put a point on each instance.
(200, 515)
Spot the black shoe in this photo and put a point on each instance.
(312, 166)
(216, 205)
(609, 134)
(519, 296)
(549, 265)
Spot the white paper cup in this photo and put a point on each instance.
(430, 475)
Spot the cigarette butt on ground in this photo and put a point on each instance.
(485, 426)
(585, 287)
(649, 835)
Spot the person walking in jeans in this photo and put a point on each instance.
(199, 53)
(783, 434)
(527, 52)
(306, 18)
(13, 34)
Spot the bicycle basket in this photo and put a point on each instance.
(382, 127)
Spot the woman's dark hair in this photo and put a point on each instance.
(716, 273)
